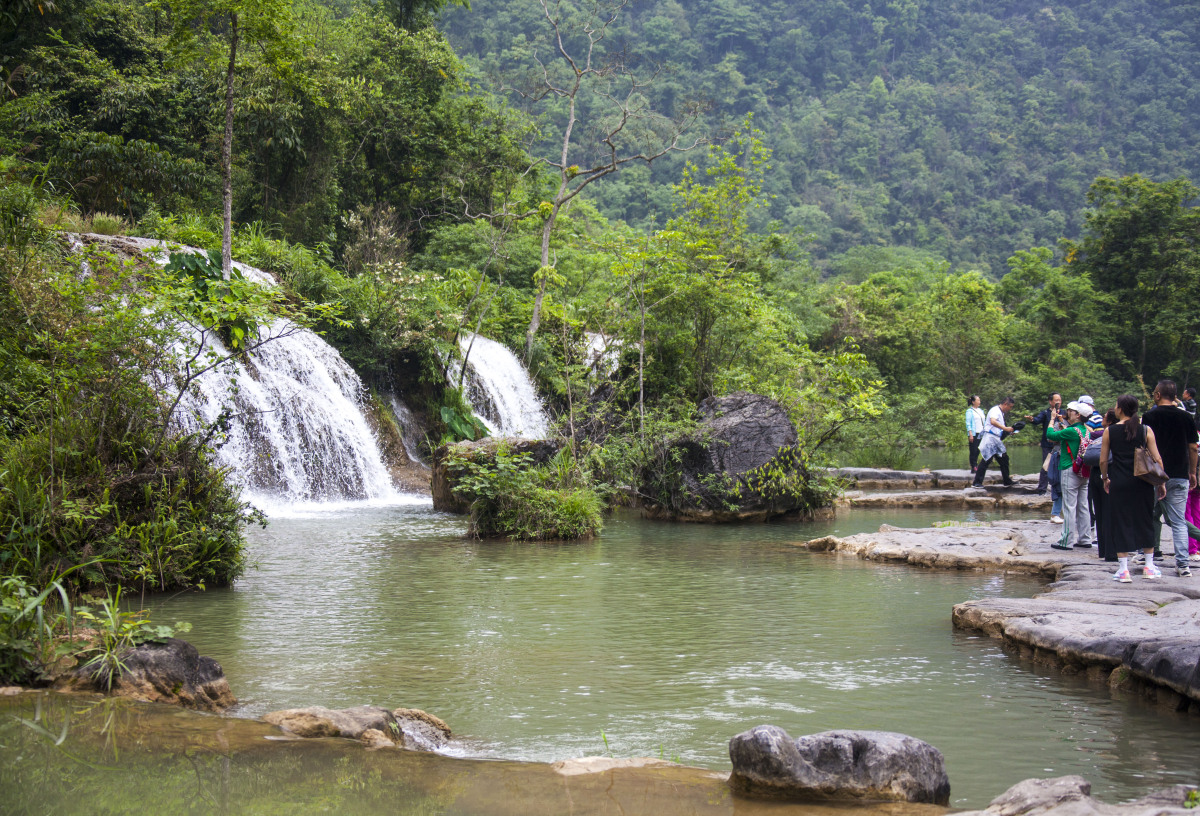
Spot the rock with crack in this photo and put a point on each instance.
(838, 765)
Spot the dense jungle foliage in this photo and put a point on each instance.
(965, 128)
(864, 214)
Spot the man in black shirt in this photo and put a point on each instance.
(1046, 418)
(1175, 433)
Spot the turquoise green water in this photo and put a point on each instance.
(660, 639)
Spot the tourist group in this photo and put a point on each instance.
(1113, 476)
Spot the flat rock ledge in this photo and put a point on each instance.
(1009, 546)
(408, 728)
(1071, 796)
(1142, 637)
(948, 479)
(838, 766)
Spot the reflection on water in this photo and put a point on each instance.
(660, 639)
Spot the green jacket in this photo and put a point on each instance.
(1068, 439)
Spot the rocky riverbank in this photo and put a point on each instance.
(1142, 637)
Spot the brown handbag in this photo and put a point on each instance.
(1146, 469)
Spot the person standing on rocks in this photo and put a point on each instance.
(1176, 434)
(1077, 518)
(1046, 418)
(1098, 498)
(1129, 510)
(974, 421)
(992, 445)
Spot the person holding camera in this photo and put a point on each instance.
(992, 446)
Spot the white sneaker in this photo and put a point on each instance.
(1194, 556)
(1056, 519)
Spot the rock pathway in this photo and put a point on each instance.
(1142, 637)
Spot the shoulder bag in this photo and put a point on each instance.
(1146, 469)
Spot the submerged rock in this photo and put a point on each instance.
(168, 672)
(594, 765)
(1071, 796)
(409, 728)
(838, 765)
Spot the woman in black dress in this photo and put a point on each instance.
(1129, 510)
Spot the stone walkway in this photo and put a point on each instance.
(936, 488)
(1143, 636)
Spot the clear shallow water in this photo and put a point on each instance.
(660, 639)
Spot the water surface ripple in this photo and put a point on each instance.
(661, 639)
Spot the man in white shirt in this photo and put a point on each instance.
(992, 447)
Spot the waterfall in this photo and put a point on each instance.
(298, 436)
(499, 390)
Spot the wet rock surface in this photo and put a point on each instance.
(408, 728)
(838, 765)
(168, 672)
(1142, 637)
(1071, 796)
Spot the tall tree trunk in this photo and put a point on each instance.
(535, 319)
(227, 157)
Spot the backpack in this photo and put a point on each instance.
(1077, 466)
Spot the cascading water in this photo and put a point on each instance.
(499, 390)
(297, 431)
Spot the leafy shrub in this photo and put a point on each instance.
(515, 499)
(42, 632)
(92, 471)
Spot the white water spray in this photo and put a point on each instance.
(298, 436)
(499, 390)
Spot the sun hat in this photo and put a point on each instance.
(1088, 400)
(1081, 408)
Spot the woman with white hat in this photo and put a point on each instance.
(1077, 519)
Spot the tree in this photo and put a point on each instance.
(197, 27)
(1142, 248)
(582, 79)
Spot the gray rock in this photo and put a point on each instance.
(838, 765)
(168, 672)
(410, 728)
(318, 721)
(421, 731)
(1071, 796)
(741, 466)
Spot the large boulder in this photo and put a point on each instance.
(168, 672)
(742, 465)
(408, 728)
(442, 479)
(838, 765)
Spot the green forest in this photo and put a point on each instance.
(864, 213)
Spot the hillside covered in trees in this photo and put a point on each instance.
(966, 128)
